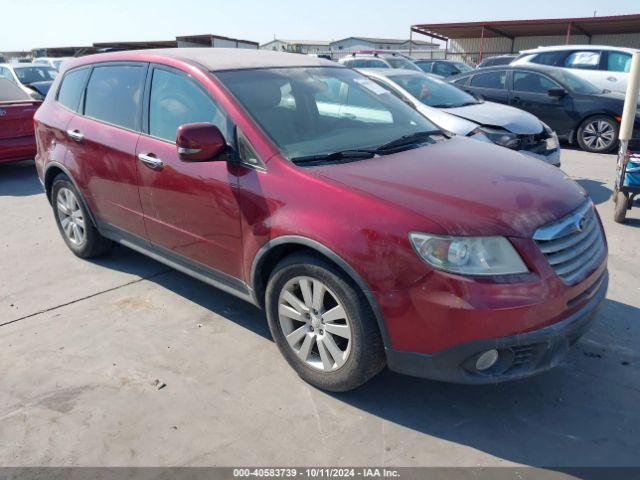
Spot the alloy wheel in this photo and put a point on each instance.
(314, 323)
(598, 135)
(71, 217)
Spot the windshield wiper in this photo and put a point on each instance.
(413, 139)
(335, 156)
(416, 138)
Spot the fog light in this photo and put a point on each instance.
(487, 360)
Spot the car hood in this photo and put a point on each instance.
(446, 121)
(41, 87)
(497, 115)
(467, 188)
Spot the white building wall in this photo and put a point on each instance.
(247, 45)
(352, 44)
(527, 43)
(276, 45)
(187, 44)
(472, 45)
(629, 40)
(223, 43)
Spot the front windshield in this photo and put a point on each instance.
(433, 92)
(32, 74)
(320, 110)
(403, 63)
(573, 82)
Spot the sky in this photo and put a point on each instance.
(52, 23)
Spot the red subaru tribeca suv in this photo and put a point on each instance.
(368, 236)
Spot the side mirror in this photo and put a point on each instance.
(477, 96)
(200, 142)
(557, 92)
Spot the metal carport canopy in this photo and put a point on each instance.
(511, 29)
(523, 28)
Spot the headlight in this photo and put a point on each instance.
(503, 138)
(469, 255)
(552, 139)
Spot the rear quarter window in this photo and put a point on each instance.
(71, 88)
(114, 95)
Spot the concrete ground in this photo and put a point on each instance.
(82, 345)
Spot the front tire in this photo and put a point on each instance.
(322, 324)
(74, 222)
(598, 134)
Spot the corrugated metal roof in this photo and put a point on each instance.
(539, 27)
(392, 41)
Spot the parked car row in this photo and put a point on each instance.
(546, 82)
(456, 111)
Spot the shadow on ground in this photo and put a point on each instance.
(238, 311)
(598, 191)
(19, 179)
(584, 412)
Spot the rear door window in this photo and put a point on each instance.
(114, 95)
(494, 80)
(554, 58)
(71, 88)
(176, 100)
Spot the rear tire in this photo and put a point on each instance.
(74, 222)
(598, 134)
(621, 206)
(330, 350)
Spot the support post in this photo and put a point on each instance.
(481, 44)
(568, 36)
(410, 40)
(626, 126)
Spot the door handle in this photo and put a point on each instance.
(516, 99)
(612, 79)
(75, 135)
(150, 160)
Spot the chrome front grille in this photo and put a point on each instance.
(574, 245)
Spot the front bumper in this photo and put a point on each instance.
(552, 157)
(520, 355)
